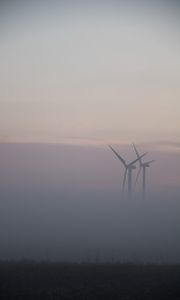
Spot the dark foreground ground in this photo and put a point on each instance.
(29, 280)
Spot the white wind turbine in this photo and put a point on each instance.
(142, 166)
(128, 169)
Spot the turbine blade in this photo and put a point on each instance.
(135, 149)
(138, 175)
(151, 161)
(137, 154)
(124, 180)
(118, 156)
(134, 161)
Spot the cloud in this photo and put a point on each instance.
(162, 146)
(172, 144)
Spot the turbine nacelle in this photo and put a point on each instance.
(145, 165)
(133, 167)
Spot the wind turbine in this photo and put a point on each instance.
(142, 166)
(128, 169)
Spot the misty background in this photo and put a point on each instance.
(64, 202)
(74, 77)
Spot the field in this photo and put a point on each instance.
(48, 280)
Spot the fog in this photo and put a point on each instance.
(60, 202)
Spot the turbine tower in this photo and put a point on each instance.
(142, 166)
(128, 169)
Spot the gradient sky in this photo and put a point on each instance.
(91, 73)
(104, 71)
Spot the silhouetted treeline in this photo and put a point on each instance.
(53, 280)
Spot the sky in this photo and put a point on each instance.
(105, 70)
(74, 77)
